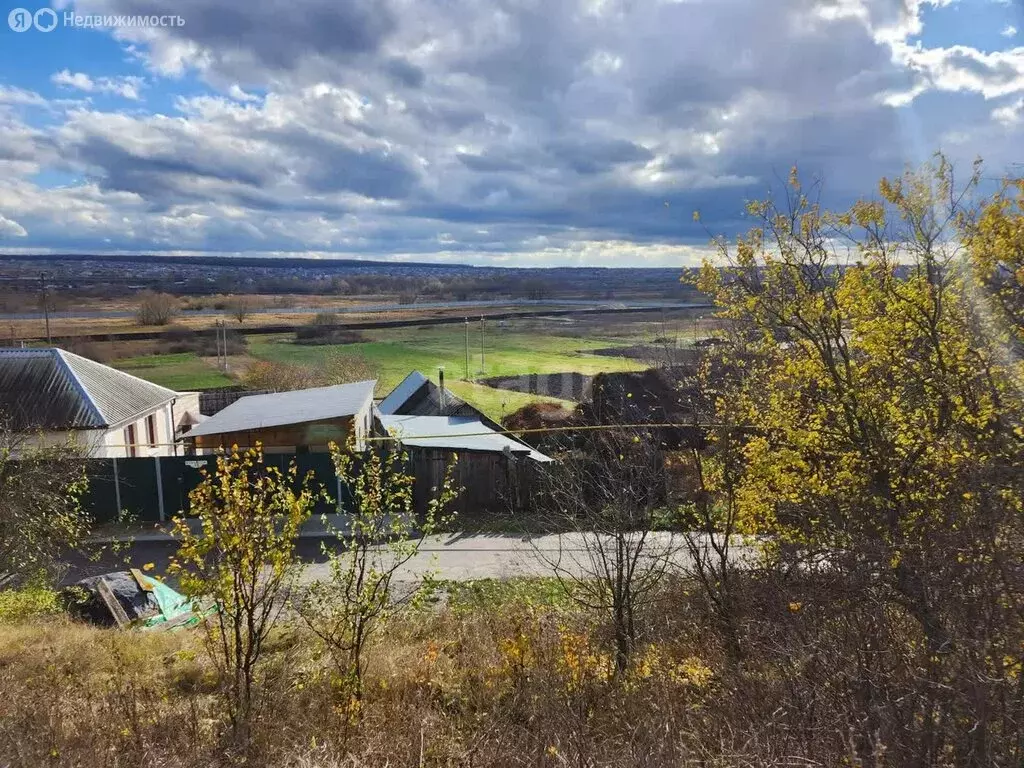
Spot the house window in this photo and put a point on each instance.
(131, 444)
(151, 430)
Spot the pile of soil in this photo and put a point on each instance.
(538, 416)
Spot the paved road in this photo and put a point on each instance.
(453, 556)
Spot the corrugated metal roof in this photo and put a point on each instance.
(401, 393)
(458, 433)
(55, 389)
(297, 407)
(119, 396)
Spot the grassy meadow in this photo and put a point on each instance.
(510, 349)
(181, 371)
(394, 353)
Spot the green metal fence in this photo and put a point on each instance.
(156, 489)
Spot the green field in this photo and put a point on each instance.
(181, 371)
(394, 353)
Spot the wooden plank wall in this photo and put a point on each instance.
(491, 483)
(314, 435)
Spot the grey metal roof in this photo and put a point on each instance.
(417, 395)
(297, 407)
(401, 393)
(55, 389)
(458, 433)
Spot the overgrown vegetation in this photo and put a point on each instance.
(328, 369)
(381, 533)
(40, 515)
(883, 445)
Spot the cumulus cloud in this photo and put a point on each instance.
(496, 129)
(1009, 114)
(10, 228)
(9, 95)
(962, 68)
(127, 87)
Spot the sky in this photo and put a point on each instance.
(502, 132)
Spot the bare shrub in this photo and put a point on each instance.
(609, 495)
(177, 338)
(332, 368)
(380, 535)
(240, 308)
(323, 329)
(156, 308)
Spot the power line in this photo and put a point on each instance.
(506, 432)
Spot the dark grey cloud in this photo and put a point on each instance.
(405, 73)
(268, 33)
(490, 163)
(994, 72)
(371, 173)
(597, 155)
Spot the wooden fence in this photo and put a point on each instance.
(490, 483)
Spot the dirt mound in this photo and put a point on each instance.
(538, 416)
(655, 396)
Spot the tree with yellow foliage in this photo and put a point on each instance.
(996, 243)
(883, 423)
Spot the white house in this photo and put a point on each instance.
(50, 396)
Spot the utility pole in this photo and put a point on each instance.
(224, 345)
(482, 369)
(467, 349)
(222, 352)
(46, 307)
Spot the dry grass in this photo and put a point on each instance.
(503, 676)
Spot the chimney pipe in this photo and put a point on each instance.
(441, 396)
